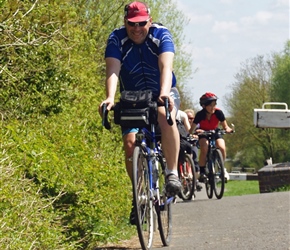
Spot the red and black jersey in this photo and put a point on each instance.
(212, 123)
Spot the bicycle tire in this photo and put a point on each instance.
(187, 176)
(163, 206)
(143, 204)
(209, 182)
(219, 174)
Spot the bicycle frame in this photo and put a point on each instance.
(211, 148)
(151, 152)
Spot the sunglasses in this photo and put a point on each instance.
(140, 24)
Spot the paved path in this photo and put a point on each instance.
(258, 222)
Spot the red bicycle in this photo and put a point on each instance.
(186, 173)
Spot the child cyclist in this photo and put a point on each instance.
(209, 118)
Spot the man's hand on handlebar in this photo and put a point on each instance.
(161, 99)
(199, 131)
(193, 136)
(109, 103)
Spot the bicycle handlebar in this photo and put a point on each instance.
(212, 132)
(107, 125)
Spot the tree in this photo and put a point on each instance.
(280, 92)
(250, 91)
(281, 76)
(260, 80)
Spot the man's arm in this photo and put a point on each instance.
(165, 63)
(192, 129)
(185, 120)
(113, 67)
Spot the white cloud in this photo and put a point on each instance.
(226, 1)
(282, 3)
(225, 27)
(261, 17)
(200, 19)
(202, 53)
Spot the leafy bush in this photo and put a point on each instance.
(62, 185)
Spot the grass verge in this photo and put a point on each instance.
(237, 188)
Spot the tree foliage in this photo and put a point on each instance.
(281, 76)
(256, 83)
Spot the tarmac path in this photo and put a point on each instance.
(248, 222)
(260, 221)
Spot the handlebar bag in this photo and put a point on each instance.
(136, 109)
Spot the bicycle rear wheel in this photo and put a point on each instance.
(163, 206)
(143, 203)
(219, 174)
(187, 176)
(209, 183)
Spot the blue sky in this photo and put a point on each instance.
(223, 34)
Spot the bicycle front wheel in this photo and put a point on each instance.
(187, 176)
(209, 183)
(219, 174)
(163, 206)
(143, 204)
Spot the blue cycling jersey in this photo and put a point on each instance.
(139, 62)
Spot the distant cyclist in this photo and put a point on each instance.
(183, 126)
(209, 118)
(182, 117)
(190, 115)
(140, 56)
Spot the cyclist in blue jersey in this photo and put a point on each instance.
(140, 56)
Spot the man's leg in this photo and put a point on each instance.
(196, 165)
(170, 142)
(203, 144)
(129, 141)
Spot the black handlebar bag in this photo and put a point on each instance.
(136, 109)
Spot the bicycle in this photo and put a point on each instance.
(187, 173)
(215, 179)
(149, 195)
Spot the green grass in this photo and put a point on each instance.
(237, 188)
